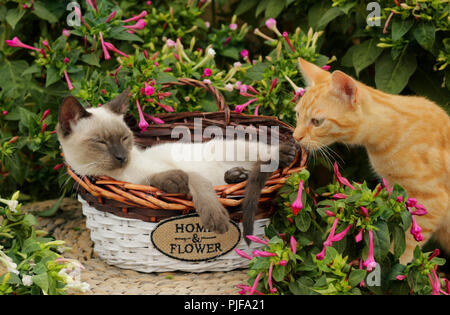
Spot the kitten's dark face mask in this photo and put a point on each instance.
(96, 140)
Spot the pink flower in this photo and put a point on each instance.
(282, 263)
(286, 37)
(233, 26)
(329, 213)
(364, 211)
(45, 115)
(66, 60)
(138, 26)
(15, 42)
(207, 24)
(435, 283)
(68, 81)
(243, 254)
(274, 83)
(111, 47)
(244, 53)
(46, 45)
(340, 179)
(44, 126)
(341, 235)
(149, 3)
(400, 277)
(339, 196)
(359, 236)
(240, 108)
(416, 230)
(293, 245)
(207, 72)
(156, 120)
(93, 4)
(298, 93)
(389, 190)
(256, 110)
(167, 108)
(58, 166)
(111, 16)
(255, 284)
(261, 253)
(143, 124)
(328, 241)
(271, 23)
(326, 67)
(66, 33)
(271, 288)
(378, 189)
(229, 87)
(435, 253)
(105, 50)
(399, 199)
(252, 89)
(5, 112)
(171, 43)
(207, 81)
(420, 210)
(297, 205)
(256, 239)
(137, 17)
(370, 262)
(78, 13)
(148, 90)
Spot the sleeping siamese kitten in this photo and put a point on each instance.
(407, 139)
(97, 141)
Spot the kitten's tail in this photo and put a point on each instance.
(256, 182)
(212, 214)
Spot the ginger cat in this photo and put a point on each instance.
(407, 139)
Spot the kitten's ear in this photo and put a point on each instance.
(311, 73)
(344, 87)
(70, 112)
(119, 104)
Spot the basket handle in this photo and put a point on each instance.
(220, 100)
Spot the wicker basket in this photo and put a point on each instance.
(121, 215)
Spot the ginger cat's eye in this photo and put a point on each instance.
(316, 122)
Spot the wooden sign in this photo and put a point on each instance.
(185, 238)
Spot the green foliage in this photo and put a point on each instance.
(295, 262)
(31, 259)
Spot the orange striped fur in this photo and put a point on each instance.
(407, 139)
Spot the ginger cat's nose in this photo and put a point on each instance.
(298, 136)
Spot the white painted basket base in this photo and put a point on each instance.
(126, 243)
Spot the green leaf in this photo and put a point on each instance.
(428, 84)
(52, 75)
(398, 235)
(121, 34)
(91, 59)
(424, 33)
(261, 7)
(299, 288)
(400, 27)
(41, 280)
(381, 240)
(244, 6)
(356, 276)
(52, 210)
(279, 273)
(274, 8)
(302, 220)
(329, 16)
(365, 54)
(29, 220)
(208, 103)
(14, 16)
(391, 75)
(257, 71)
(316, 12)
(42, 12)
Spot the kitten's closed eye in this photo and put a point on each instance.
(316, 122)
(125, 138)
(100, 141)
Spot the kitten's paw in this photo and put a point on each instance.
(215, 218)
(236, 175)
(172, 182)
(287, 154)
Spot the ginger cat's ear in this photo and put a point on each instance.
(344, 87)
(311, 73)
